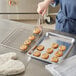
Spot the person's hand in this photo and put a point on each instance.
(42, 6)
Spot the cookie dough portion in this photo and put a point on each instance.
(32, 37)
(49, 50)
(45, 56)
(7, 56)
(36, 30)
(23, 47)
(59, 53)
(40, 47)
(55, 45)
(27, 42)
(12, 67)
(37, 53)
(62, 48)
(54, 59)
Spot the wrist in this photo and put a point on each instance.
(48, 1)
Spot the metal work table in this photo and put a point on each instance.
(35, 67)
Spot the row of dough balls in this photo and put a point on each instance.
(30, 39)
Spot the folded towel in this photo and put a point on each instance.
(65, 68)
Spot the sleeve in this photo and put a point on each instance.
(56, 2)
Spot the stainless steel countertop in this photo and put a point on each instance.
(35, 67)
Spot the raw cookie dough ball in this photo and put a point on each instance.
(45, 56)
(36, 31)
(55, 45)
(32, 37)
(23, 47)
(59, 53)
(49, 50)
(54, 59)
(27, 42)
(37, 53)
(62, 48)
(40, 47)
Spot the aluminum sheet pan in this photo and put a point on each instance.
(47, 41)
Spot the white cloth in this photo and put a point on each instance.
(65, 68)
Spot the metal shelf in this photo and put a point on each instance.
(18, 13)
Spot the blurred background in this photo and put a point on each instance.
(26, 11)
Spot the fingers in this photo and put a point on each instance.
(41, 11)
(42, 7)
(44, 12)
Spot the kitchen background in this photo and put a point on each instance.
(25, 11)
